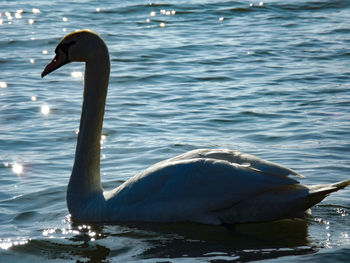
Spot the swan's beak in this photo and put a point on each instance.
(58, 61)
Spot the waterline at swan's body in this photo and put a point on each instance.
(207, 186)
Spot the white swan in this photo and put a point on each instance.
(210, 186)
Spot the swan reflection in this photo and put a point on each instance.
(233, 243)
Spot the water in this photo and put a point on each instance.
(270, 78)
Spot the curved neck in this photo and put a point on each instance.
(85, 178)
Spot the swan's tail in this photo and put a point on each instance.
(319, 192)
(288, 201)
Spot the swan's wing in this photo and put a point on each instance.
(240, 158)
(190, 190)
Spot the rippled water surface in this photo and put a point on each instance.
(267, 78)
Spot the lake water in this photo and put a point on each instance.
(267, 78)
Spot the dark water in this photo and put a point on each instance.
(269, 78)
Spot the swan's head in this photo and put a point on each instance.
(77, 46)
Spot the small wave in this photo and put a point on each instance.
(214, 78)
(25, 216)
(312, 5)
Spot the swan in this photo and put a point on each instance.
(209, 186)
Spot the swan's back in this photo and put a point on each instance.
(192, 188)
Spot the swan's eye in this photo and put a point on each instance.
(65, 47)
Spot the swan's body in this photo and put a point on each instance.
(206, 186)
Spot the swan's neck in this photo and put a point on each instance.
(85, 178)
